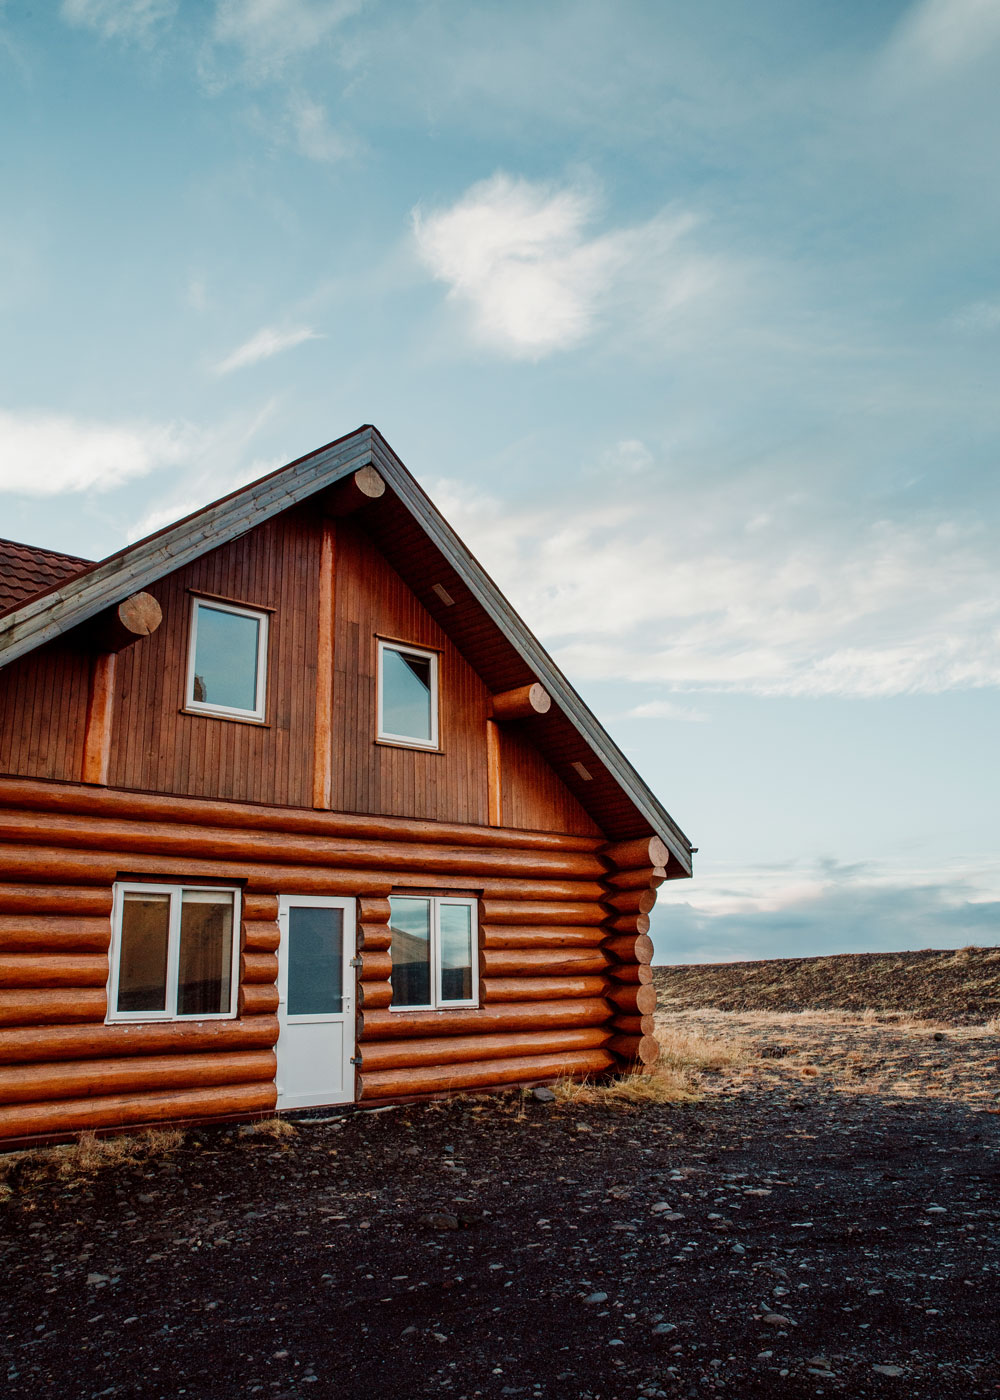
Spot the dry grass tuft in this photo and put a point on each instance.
(74, 1163)
(992, 1027)
(689, 1051)
(660, 1085)
(275, 1128)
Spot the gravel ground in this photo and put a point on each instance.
(802, 1230)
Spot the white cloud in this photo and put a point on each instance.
(978, 316)
(673, 590)
(120, 19)
(942, 36)
(314, 137)
(188, 500)
(267, 342)
(270, 32)
(48, 454)
(666, 709)
(517, 256)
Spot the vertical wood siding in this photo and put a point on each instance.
(158, 748)
(43, 710)
(534, 797)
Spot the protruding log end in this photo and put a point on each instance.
(360, 489)
(521, 703)
(636, 1049)
(633, 999)
(135, 617)
(630, 855)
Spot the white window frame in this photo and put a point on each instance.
(438, 1003)
(176, 891)
(226, 711)
(407, 740)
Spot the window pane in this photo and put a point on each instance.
(456, 952)
(142, 967)
(204, 974)
(406, 695)
(225, 661)
(315, 961)
(410, 921)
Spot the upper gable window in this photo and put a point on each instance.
(407, 695)
(227, 667)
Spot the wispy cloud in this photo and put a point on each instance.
(186, 502)
(978, 316)
(267, 342)
(135, 20)
(267, 33)
(666, 709)
(314, 135)
(48, 454)
(517, 255)
(944, 36)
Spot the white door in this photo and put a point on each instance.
(315, 1001)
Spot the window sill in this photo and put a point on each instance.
(403, 744)
(439, 1010)
(233, 719)
(151, 1018)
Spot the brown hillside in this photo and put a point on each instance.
(961, 986)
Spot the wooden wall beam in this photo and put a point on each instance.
(323, 722)
(100, 711)
(494, 775)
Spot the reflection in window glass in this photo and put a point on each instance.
(455, 922)
(206, 953)
(315, 961)
(407, 695)
(410, 922)
(145, 938)
(225, 659)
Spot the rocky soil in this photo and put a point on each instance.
(961, 986)
(824, 1221)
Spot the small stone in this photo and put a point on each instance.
(97, 1279)
(410, 1331)
(593, 1298)
(439, 1220)
(543, 1095)
(439, 1336)
(664, 1329)
(738, 1249)
(658, 1207)
(774, 1319)
(889, 1370)
(616, 1342)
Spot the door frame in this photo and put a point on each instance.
(348, 1015)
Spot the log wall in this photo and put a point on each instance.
(563, 960)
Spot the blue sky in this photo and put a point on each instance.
(688, 316)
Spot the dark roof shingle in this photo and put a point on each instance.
(26, 570)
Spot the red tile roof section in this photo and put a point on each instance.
(26, 570)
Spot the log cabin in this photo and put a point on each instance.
(296, 812)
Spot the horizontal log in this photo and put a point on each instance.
(521, 703)
(640, 901)
(541, 962)
(644, 878)
(373, 909)
(256, 968)
(634, 1025)
(261, 935)
(33, 794)
(361, 869)
(630, 923)
(636, 1049)
(530, 911)
(375, 967)
(399, 1083)
(468, 1049)
(374, 995)
(55, 899)
(374, 938)
(523, 1016)
(540, 988)
(632, 1000)
(630, 855)
(50, 1044)
(53, 933)
(558, 936)
(629, 947)
(53, 970)
(135, 1110)
(630, 972)
(29, 1008)
(119, 627)
(260, 999)
(261, 906)
(86, 1079)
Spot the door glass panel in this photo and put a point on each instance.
(205, 965)
(410, 922)
(315, 961)
(225, 661)
(406, 695)
(142, 970)
(456, 951)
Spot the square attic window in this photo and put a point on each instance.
(407, 695)
(227, 665)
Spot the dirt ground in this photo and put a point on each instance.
(822, 1221)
